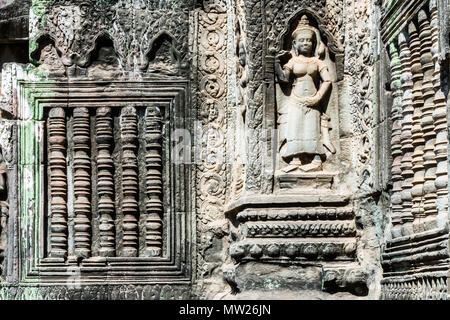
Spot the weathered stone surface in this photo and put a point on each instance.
(257, 149)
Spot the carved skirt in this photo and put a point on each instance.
(302, 129)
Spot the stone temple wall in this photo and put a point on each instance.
(224, 149)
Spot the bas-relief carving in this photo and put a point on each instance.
(303, 128)
(313, 136)
(162, 53)
(50, 63)
(106, 64)
(144, 40)
(212, 172)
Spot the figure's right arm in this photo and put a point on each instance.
(283, 74)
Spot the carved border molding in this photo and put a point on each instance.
(420, 286)
(212, 173)
(288, 228)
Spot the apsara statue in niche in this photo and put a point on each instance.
(303, 124)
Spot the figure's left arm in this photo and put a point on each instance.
(325, 84)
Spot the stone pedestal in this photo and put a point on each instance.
(304, 181)
(297, 231)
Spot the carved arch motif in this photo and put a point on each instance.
(157, 43)
(98, 40)
(326, 13)
(331, 40)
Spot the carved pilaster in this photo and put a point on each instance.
(105, 182)
(417, 134)
(396, 151)
(427, 120)
(82, 182)
(153, 162)
(406, 136)
(58, 182)
(440, 122)
(130, 207)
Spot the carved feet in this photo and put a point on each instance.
(315, 165)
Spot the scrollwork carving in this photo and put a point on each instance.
(77, 27)
(302, 135)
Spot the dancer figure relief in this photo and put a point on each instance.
(302, 122)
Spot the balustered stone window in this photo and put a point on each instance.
(109, 201)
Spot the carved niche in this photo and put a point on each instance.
(308, 217)
(306, 106)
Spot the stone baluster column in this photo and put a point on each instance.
(58, 182)
(427, 122)
(130, 207)
(153, 161)
(105, 181)
(396, 115)
(406, 135)
(440, 122)
(82, 182)
(417, 134)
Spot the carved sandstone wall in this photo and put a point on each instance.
(225, 149)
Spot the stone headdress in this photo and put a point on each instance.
(303, 24)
